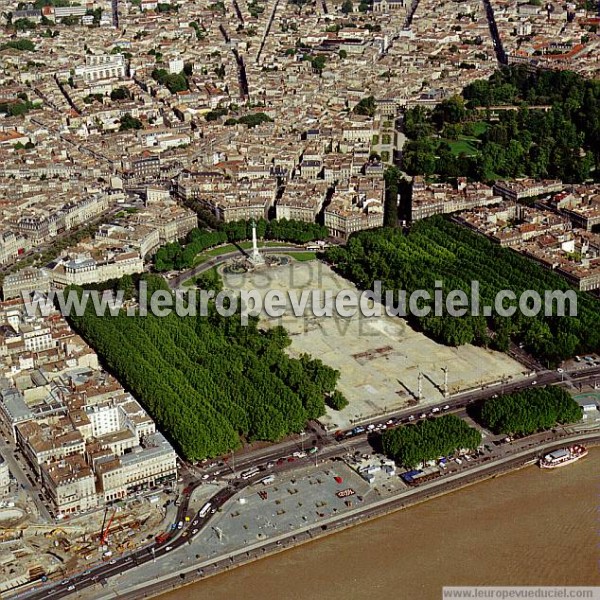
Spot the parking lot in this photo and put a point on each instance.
(290, 502)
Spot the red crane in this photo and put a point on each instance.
(104, 532)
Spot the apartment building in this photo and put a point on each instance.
(36, 336)
(10, 246)
(337, 167)
(142, 238)
(301, 200)
(4, 476)
(87, 209)
(25, 281)
(153, 463)
(70, 485)
(442, 198)
(355, 206)
(43, 443)
(526, 188)
(13, 409)
(171, 220)
(83, 269)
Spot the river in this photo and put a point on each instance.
(530, 527)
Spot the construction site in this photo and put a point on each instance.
(31, 551)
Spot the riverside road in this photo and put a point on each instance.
(329, 448)
(515, 456)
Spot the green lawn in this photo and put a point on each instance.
(480, 127)
(218, 251)
(247, 245)
(464, 145)
(223, 249)
(303, 256)
(191, 282)
(468, 144)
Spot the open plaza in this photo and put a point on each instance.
(379, 358)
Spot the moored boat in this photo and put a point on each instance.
(563, 457)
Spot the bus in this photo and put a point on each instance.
(250, 473)
(204, 510)
(318, 246)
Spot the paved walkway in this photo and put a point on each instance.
(186, 561)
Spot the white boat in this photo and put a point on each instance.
(563, 457)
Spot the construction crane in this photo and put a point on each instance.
(105, 530)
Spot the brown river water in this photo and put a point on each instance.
(530, 527)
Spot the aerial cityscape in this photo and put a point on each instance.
(299, 299)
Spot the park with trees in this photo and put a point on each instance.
(464, 136)
(181, 255)
(529, 411)
(436, 249)
(426, 440)
(209, 382)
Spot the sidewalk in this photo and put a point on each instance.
(178, 563)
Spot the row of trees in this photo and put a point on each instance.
(251, 120)
(558, 143)
(177, 255)
(283, 230)
(438, 250)
(531, 410)
(365, 107)
(16, 109)
(22, 45)
(426, 440)
(181, 256)
(208, 381)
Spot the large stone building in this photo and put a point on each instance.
(4, 476)
(442, 198)
(83, 269)
(10, 246)
(99, 67)
(355, 206)
(518, 189)
(229, 200)
(301, 200)
(70, 485)
(153, 463)
(384, 6)
(29, 279)
(42, 443)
